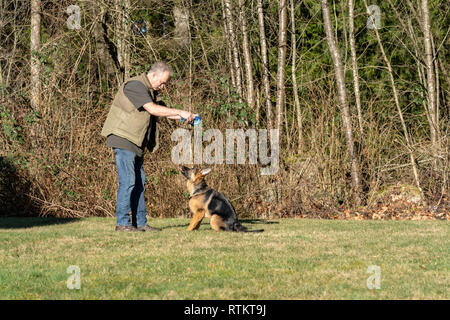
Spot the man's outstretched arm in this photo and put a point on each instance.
(170, 113)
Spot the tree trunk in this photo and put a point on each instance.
(234, 48)
(424, 71)
(123, 33)
(400, 113)
(355, 64)
(247, 56)
(281, 63)
(35, 66)
(294, 79)
(431, 86)
(105, 58)
(191, 60)
(265, 60)
(228, 42)
(2, 9)
(35, 45)
(1, 75)
(354, 163)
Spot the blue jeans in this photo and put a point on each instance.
(130, 194)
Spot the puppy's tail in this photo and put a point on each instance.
(238, 227)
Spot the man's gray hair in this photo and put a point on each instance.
(160, 67)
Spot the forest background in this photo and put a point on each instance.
(358, 89)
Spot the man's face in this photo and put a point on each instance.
(158, 80)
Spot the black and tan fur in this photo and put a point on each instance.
(207, 202)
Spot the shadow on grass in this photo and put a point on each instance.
(15, 190)
(29, 222)
(185, 225)
(257, 221)
(206, 222)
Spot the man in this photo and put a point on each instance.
(130, 128)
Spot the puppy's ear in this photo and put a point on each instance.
(185, 171)
(206, 171)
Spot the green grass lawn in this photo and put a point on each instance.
(292, 259)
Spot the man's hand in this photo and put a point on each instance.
(188, 115)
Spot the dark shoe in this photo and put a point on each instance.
(126, 228)
(148, 228)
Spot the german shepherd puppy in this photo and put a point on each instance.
(205, 201)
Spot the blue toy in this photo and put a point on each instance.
(197, 121)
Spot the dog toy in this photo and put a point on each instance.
(197, 121)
